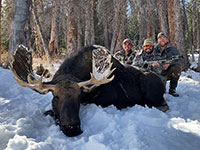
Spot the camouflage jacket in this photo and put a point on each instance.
(140, 60)
(125, 59)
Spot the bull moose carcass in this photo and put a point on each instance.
(91, 76)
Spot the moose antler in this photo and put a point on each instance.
(36, 85)
(21, 67)
(101, 69)
(97, 82)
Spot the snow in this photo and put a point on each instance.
(24, 127)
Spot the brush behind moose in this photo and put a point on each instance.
(91, 76)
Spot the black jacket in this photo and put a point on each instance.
(167, 53)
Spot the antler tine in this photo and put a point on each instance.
(33, 84)
(84, 83)
(96, 82)
(16, 77)
(39, 81)
(11, 59)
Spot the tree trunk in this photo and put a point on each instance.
(53, 43)
(151, 19)
(79, 45)
(72, 29)
(142, 5)
(20, 18)
(192, 53)
(176, 29)
(162, 14)
(105, 14)
(105, 35)
(198, 25)
(119, 24)
(29, 31)
(198, 65)
(179, 36)
(171, 20)
(195, 23)
(189, 39)
(198, 35)
(89, 22)
(0, 32)
(92, 21)
(38, 44)
(36, 19)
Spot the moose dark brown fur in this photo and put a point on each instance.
(71, 86)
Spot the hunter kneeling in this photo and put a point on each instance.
(164, 60)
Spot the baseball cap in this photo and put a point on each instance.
(148, 42)
(128, 40)
(162, 34)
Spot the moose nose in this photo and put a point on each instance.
(71, 130)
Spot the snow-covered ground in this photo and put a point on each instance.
(24, 127)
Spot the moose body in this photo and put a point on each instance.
(130, 86)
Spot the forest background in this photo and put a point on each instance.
(52, 28)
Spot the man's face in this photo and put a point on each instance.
(148, 48)
(162, 41)
(127, 46)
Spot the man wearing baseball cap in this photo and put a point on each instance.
(146, 55)
(126, 55)
(170, 71)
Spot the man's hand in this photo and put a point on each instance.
(155, 64)
(137, 52)
(165, 66)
